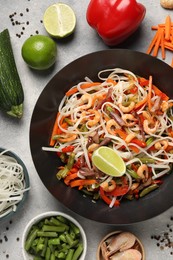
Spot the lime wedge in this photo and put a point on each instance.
(59, 20)
(108, 161)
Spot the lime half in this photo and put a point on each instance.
(59, 20)
(108, 161)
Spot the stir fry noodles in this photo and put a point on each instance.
(126, 113)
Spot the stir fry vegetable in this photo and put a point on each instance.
(125, 112)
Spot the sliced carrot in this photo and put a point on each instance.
(162, 44)
(82, 182)
(84, 86)
(152, 43)
(141, 103)
(54, 131)
(167, 27)
(157, 43)
(150, 93)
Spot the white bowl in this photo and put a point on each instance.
(140, 245)
(44, 215)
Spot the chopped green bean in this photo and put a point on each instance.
(61, 255)
(46, 234)
(70, 161)
(70, 254)
(52, 257)
(48, 253)
(148, 190)
(53, 228)
(62, 219)
(61, 174)
(45, 247)
(30, 239)
(78, 252)
(132, 173)
(69, 239)
(75, 228)
(54, 241)
(146, 160)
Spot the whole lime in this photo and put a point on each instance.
(39, 52)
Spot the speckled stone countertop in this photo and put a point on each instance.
(24, 18)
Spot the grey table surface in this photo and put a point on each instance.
(14, 134)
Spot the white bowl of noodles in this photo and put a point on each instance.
(14, 183)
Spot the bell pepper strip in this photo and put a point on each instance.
(82, 182)
(115, 20)
(118, 191)
(106, 199)
(68, 149)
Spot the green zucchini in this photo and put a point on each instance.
(11, 90)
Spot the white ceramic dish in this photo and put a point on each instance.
(108, 236)
(10, 211)
(48, 214)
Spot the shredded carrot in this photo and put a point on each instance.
(163, 39)
(84, 86)
(141, 103)
(54, 131)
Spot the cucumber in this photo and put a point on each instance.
(11, 90)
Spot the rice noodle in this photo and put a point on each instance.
(12, 184)
(115, 93)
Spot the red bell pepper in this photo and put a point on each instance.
(115, 20)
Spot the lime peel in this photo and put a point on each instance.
(108, 161)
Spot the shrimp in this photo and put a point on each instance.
(142, 171)
(129, 120)
(127, 109)
(164, 106)
(108, 186)
(161, 145)
(97, 98)
(93, 147)
(130, 137)
(86, 101)
(111, 125)
(67, 138)
(96, 118)
(148, 129)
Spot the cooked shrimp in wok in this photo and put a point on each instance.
(125, 112)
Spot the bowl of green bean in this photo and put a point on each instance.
(54, 235)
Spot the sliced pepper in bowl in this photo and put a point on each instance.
(115, 20)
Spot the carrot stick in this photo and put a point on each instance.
(82, 182)
(167, 27)
(150, 93)
(141, 103)
(54, 131)
(157, 43)
(162, 44)
(84, 86)
(152, 43)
